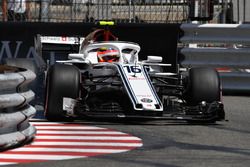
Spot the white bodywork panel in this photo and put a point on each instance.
(139, 87)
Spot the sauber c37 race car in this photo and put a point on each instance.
(107, 79)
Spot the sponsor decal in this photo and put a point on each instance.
(136, 78)
(146, 100)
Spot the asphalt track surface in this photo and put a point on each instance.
(175, 144)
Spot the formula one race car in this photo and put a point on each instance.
(107, 79)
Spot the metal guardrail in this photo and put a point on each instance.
(216, 33)
(235, 83)
(216, 57)
(219, 45)
(15, 110)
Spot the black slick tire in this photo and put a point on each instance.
(203, 85)
(62, 81)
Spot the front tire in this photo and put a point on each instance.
(62, 81)
(203, 85)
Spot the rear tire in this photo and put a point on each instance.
(203, 85)
(62, 81)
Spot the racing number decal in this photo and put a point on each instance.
(139, 87)
(132, 69)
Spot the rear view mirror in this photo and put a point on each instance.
(154, 59)
(76, 56)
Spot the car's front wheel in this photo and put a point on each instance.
(62, 81)
(203, 85)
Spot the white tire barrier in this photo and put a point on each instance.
(15, 110)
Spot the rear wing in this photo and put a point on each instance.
(53, 48)
(60, 40)
(57, 44)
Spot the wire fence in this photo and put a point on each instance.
(128, 11)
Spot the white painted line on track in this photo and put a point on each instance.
(87, 144)
(48, 123)
(79, 132)
(68, 127)
(7, 163)
(88, 137)
(38, 157)
(40, 149)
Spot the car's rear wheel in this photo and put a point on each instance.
(62, 81)
(203, 85)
